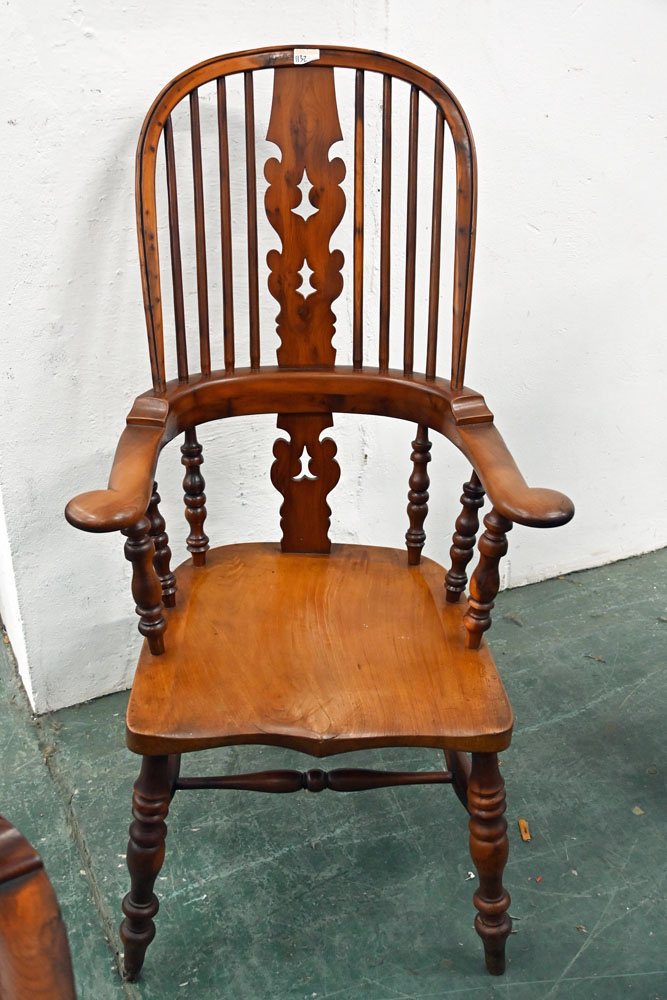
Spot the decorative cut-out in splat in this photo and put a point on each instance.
(304, 125)
(307, 288)
(305, 209)
(305, 203)
(305, 459)
(305, 513)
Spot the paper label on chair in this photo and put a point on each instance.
(303, 56)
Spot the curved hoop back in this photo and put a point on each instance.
(304, 124)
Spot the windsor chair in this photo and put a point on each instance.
(35, 960)
(290, 644)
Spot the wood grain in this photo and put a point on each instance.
(175, 253)
(283, 58)
(464, 537)
(35, 960)
(304, 125)
(200, 236)
(415, 536)
(305, 513)
(489, 848)
(460, 415)
(226, 228)
(300, 646)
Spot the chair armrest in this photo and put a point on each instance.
(508, 491)
(130, 486)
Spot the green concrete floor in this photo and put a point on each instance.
(366, 897)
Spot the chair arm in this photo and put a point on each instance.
(508, 491)
(130, 486)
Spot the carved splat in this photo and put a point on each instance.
(305, 513)
(304, 204)
(304, 125)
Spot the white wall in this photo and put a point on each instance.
(566, 101)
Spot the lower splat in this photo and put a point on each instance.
(305, 471)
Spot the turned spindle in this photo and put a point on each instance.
(145, 853)
(485, 581)
(195, 498)
(162, 557)
(146, 589)
(419, 483)
(463, 539)
(488, 850)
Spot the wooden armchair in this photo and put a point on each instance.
(305, 644)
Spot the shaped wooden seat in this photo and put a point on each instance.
(303, 644)
(318, 653)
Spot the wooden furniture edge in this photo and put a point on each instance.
(130, 486)
(43, 967)
(460, 415)
(508, 491)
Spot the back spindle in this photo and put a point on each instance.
(251, 190)
(436, 229)
(175, 253)
(411, 235)
(358, 251)
(418, 495)
(225, 226)
(385, 225)
(200, 235)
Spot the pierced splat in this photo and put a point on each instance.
(304, 204)
(305, 513)
(307, 288)
(305, 208)
(304, 460)
(304, 125)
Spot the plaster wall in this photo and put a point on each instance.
(567, 334)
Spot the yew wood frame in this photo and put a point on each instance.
(311, 392)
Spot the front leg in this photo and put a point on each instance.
(489, 848)
(145, 853)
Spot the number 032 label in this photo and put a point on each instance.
(303, 56)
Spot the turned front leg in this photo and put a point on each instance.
(489, 848)
(145, 853)
(485, 581)
(146, 589)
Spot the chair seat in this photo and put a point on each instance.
(320, 653)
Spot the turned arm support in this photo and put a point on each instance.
(506, 488)
(130, 505)
(128, 494)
